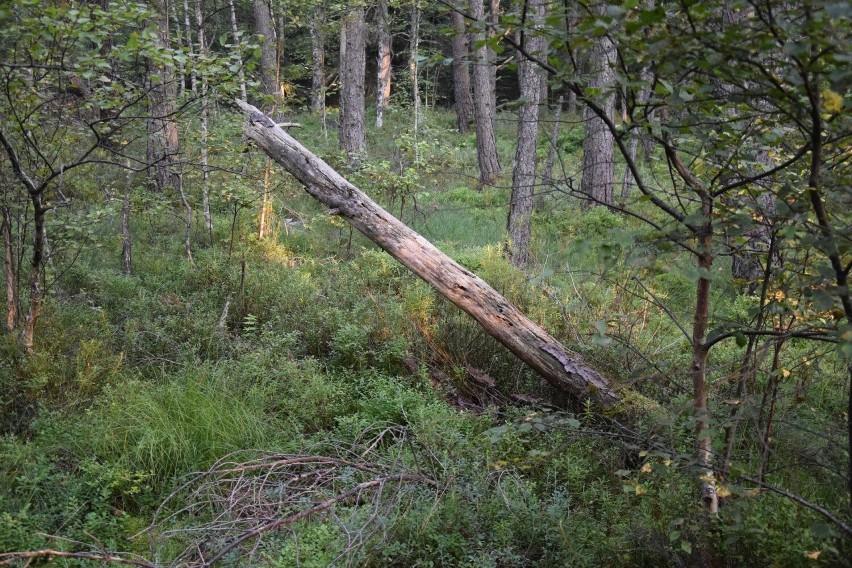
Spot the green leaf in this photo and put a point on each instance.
(686, 546)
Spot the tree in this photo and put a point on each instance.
(264, 25)
(781, 70)
(383, 75)
(597, 179)
(66, 108)
(523, 177)
(461, 73)
(163, 144)
(484, 103)
(353, 34)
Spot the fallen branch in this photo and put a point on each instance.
(7, 558)
(503, 321)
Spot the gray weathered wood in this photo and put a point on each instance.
(503, 321)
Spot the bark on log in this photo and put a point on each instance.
(503, 321)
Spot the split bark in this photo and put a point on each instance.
(383, 77)
(503, 321)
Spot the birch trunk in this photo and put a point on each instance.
(205, 112)
(235, 32)
(317, 61)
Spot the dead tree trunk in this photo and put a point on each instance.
(502, 320)
(383, 77)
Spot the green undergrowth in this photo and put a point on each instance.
(305, 342)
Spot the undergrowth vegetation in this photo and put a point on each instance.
(315, 343)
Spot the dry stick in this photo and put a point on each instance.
(273, 525)
(101, 556)
(503, 321)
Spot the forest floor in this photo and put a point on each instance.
(303, 400)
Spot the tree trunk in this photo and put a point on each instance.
(597, 183)
(205, 111)
(523, 177)
(493, 19)
(187, 220)
(383, 76)
(181, 82)
(126, 237)
(266, 204)
(353, 138)
(12, 308)
(36, 266)
(413, 48)
(498, 317)
(318, 60)
(547, 174)
(235, 31)
(627, 180)
(265, 26)
(193, 75)
(461, 73)
(703, 441)
(484, 105)
(163, 144)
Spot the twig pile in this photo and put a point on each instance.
(227, 509)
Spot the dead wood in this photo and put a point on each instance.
(503, 321)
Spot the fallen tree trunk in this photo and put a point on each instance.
(503, 321)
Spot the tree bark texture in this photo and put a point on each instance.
(700, 351)
(126, 237)
(264, 25)
(352, 68)
(383, 76)
(36, 266)
(484, 105)
(597, 183)
(163, 144)
(503, 321)
(523, 176)
(205, 113)
(235, 32)
(413, 48)
(317, 60)
(193, 75)
(547, 174)
(461, 73)
(9, 270)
